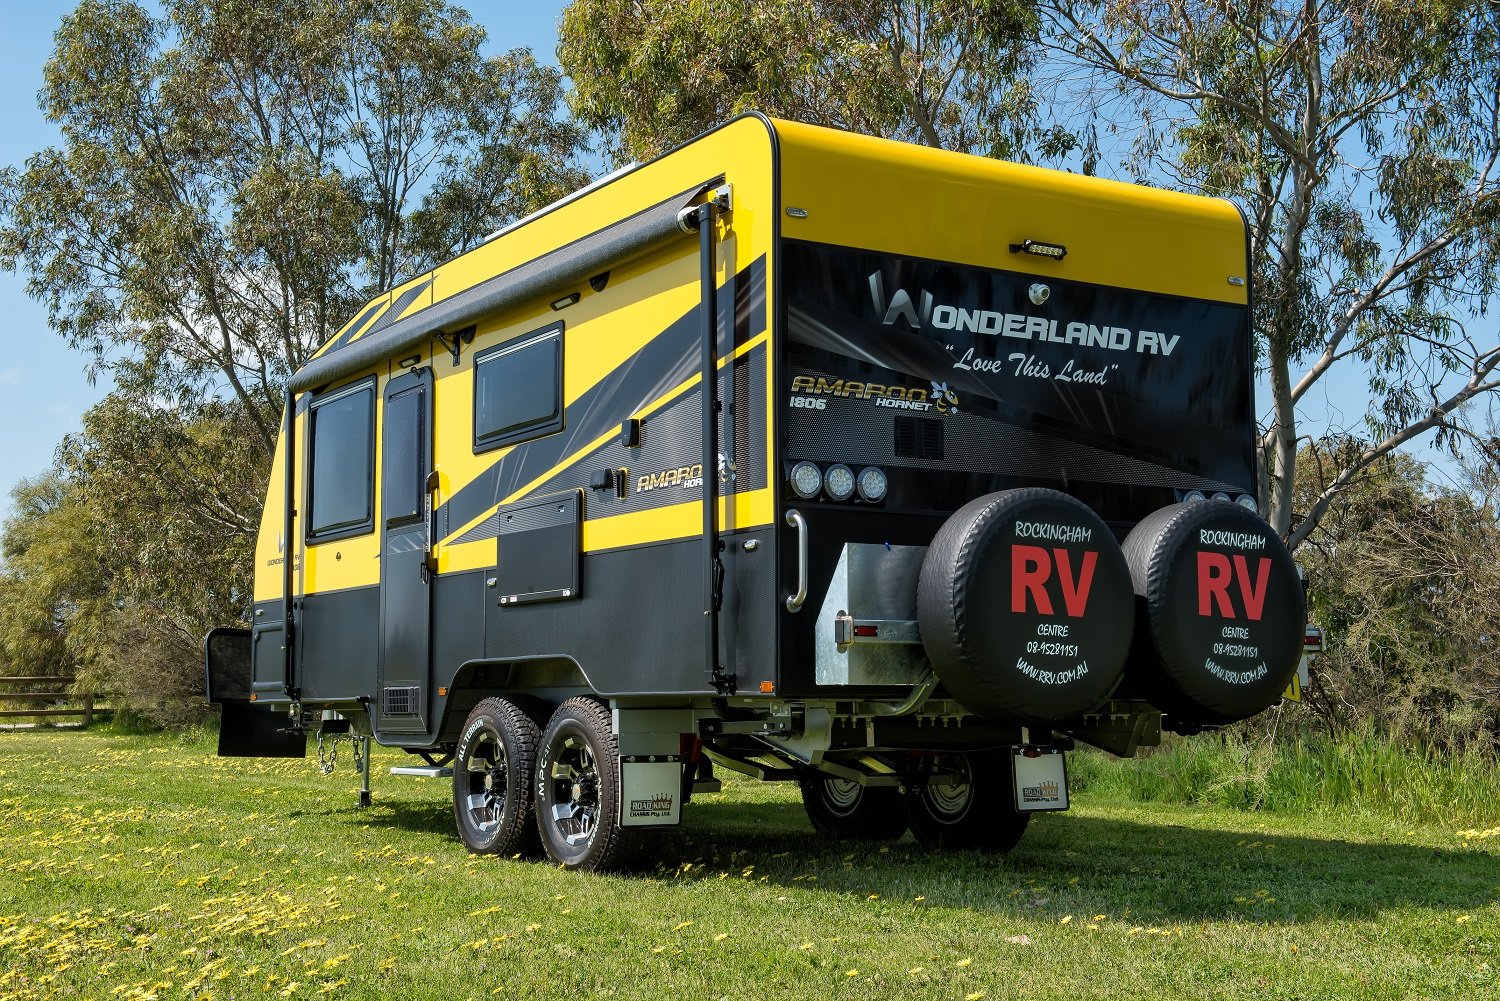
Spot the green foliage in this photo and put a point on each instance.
(1362, 142)
(173, 497)
(653, 73)
(117, 563)
(1357, 773)
(235, 177)
(1406, 581)
(51, 577)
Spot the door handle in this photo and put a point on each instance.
(795, 520)
(429, 520)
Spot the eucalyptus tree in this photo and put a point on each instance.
(1361, 140)
(234, 177)
(653, 73)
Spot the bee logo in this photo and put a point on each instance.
(943, 399)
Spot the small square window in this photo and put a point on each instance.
(518, 389)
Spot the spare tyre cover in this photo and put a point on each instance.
(1223, 608)
(1025, 606)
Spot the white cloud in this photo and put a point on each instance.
(10, 377)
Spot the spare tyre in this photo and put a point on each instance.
(1223, 609)
(1025, 606)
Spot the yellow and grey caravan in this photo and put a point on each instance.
(817, 457)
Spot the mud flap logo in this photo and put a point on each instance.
(659, 805)
(1044, 792)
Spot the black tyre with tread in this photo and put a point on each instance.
(493, 768)
(976, 812)
(841, 808)
(1025, 606)
(578, 789)
(1222, 611)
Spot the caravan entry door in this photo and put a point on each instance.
(405, 583)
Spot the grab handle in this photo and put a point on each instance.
(794, 601)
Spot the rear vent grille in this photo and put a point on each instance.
(399, 701)
(919, 438)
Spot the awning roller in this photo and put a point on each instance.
(600, 251)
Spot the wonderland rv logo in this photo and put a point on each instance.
(925, 313)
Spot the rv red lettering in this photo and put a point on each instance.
(1030, 566)
(1255, 596)
(1075, 593)
(1213, 584)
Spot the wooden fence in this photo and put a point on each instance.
(53, 694)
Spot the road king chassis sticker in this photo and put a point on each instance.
(1041, 779)
(650, 793)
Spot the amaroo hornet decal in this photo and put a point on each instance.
(936, 397)
(685, 477)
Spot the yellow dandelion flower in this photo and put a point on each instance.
(914, 970)
(1463, 918)
(721, 936)
(851, 973)
(964, 963)
(1066, 918)
(681, 925)
(974, 997)
(805, 946)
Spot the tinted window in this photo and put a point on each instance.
(343, 461)
(405, 464)
(518, 390)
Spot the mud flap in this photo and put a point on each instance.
(1040, 779)
(246, 730)
(650, 793)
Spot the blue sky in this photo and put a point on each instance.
(43, 386)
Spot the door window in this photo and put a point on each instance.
(341, 459)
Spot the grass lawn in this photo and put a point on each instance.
(138, 867)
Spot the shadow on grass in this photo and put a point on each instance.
(1147, 873)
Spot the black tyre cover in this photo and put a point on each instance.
(1223, 608)
(1025, 607)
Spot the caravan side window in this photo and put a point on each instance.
(518, 389)
(341, 462)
